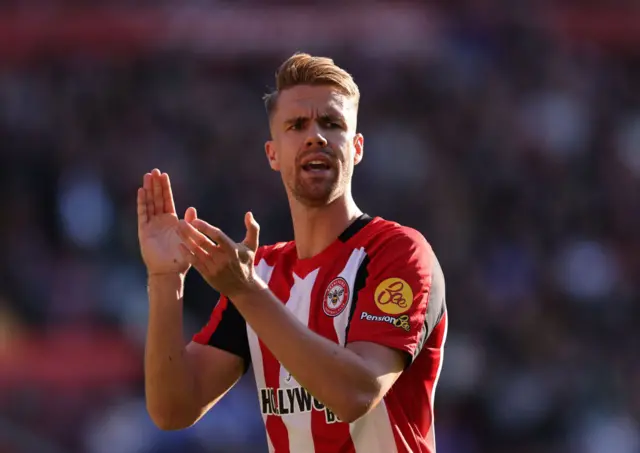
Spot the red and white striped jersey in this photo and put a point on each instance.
(378, 282)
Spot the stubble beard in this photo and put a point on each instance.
(320, 192)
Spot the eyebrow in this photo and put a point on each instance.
(333, 117)
(296, 119)
(330, 116)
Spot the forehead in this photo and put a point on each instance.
(303, 99)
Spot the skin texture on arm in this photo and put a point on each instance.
(350, 381)
(181, 383)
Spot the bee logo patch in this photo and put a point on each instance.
(336, 297)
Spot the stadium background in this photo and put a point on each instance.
(507, 132)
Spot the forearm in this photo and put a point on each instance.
(338, 377)
(169, 382)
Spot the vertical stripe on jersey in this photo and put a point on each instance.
(264, 271)
(258, 371)
(349, 273)
(298, 423)
(280, 284)
(373, 432)
(360, 282)
(329, 435)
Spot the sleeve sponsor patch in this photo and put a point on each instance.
(401, 322)
(394, 296)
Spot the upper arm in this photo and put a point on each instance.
(219, 353)
(403, 297)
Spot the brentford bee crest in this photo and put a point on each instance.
(336, 297)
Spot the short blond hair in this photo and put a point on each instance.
(305, 69)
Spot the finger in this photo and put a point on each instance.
(195, 250)
(142, 208)
(190, 257)
(158, 199)
(190, 214)
(216, 234)
(252, 239)
(199, 264)
(196, 256)
(190, 235)
(169, 204)
(147, 184)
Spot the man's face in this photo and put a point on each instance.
(314, 145)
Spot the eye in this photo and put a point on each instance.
(296, 125)
(332, 125)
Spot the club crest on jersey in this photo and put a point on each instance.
(336, 297)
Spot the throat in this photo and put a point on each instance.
(315, 229)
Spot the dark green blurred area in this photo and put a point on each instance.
(510, 137)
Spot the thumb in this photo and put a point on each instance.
(190, 215)
(251, 240)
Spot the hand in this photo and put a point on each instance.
(224, 264)
(158, 226)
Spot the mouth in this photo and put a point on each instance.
(317, 163)
(316, 166)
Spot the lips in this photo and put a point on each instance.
(316, 162)
(316, 165)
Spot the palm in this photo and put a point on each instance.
(159, 244)
(158, 226)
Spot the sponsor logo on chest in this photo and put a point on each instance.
(292, 400)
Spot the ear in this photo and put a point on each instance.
(358, 145)
(272, 155)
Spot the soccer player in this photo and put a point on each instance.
(344, 326)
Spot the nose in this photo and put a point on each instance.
(315, 139)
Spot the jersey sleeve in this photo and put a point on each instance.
(402, 299)
(226, 330)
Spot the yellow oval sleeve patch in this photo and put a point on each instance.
(394, 296)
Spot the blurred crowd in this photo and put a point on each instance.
(518, 159)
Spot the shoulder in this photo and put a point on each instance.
(399, 251)
(386, 238)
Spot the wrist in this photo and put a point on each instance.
(166, 276)
(251, 289)
(163, 282)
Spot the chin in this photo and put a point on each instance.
(317, 198)
(314, 201)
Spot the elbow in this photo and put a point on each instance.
(353, 412)
(169, 420)
(358, 407)
(350, 416)
(169, 424)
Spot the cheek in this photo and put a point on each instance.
(348, 149)
(287, 159)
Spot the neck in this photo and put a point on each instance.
(316, 228)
